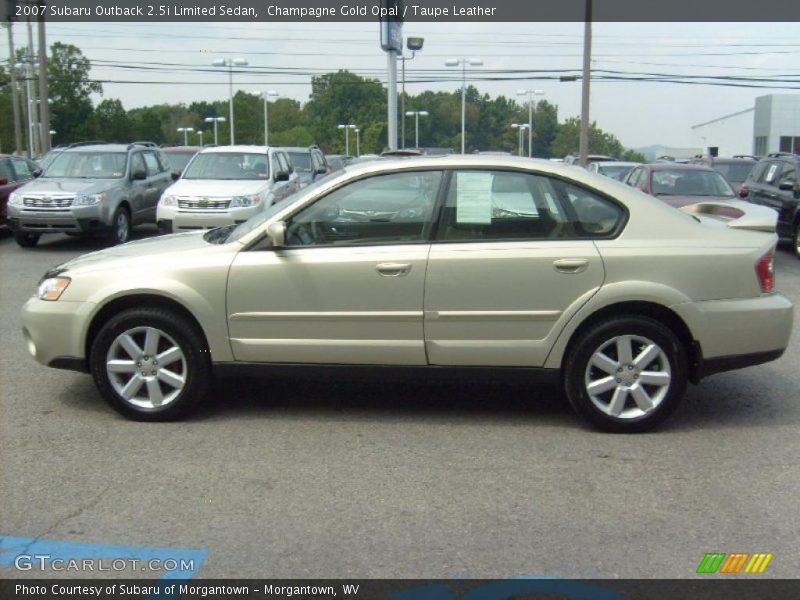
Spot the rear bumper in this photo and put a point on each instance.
(738, 333)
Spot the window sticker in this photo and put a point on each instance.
(474, 198)
(771, 173)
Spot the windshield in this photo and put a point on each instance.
(690, 183)
(616, 172)
(257, 220)
(301, 161)
(734, 172)
(228, 165)
(178, 160)
(88, 165)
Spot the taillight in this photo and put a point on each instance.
(766, 271)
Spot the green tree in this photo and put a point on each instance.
(70, 91)
(110, 122)
(600, 142)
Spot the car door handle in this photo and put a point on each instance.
(571, 265)
(393, 269)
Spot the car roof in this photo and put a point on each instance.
(299, 148)
(670, 166)
(102, 148)
(169, 149)
(615, 163)
(238, 149)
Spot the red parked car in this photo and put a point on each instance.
(680, 184)
(15, 171)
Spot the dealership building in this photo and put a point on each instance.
(772, 125)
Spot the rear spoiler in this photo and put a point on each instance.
(737, 214)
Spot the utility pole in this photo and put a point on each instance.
(33, 112)
(12, 67)
(44, 91)
(587, 74)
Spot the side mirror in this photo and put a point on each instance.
(277, 233)
(3, 181)
(139, 174)
(743, 192)
(176, 175)
(281, 175)
(786, 186)
(37, 172)
(321, 170)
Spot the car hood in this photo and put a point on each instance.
(217, 187)
(156, 249)
(678, 201)
(57, 185)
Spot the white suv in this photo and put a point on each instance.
(226, 185)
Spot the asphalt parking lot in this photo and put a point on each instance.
(302, 479)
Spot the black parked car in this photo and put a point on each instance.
(775, 182)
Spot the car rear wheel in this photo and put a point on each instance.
(120, 231)
(27, 240)
(150, 364)
(626, 375)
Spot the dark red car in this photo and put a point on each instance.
(680, 184)
(15, 171)
(734, 169)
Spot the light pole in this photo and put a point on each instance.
(416, 114)
(200, 133)
(185, 131)
(230, 63)
(266, 96)
(413, 44)
(347, 127)
(215, 120)
(530, 94)
(358, 142)
(472, 62)
(52, 132)
(522, 127)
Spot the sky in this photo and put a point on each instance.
(639, 113)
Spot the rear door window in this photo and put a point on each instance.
(153, 166)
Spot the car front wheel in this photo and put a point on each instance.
(26, 240)
(626, 375)
(150, 364)
(120, 231)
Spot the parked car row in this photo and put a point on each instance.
(97, 188)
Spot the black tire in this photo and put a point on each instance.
(26, 240)
(120, 228)
(195, 368)
(577, 371)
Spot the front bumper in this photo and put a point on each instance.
(56, 331)
(171, 219)
(77, 219)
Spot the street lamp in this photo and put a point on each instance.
(215, 120)
(414, 44)
(530, 94)
(416, 114)
(472, 62)
(52, 132)
(358, 142)
(230, 63)
(522, 128)
(266, 96)
(347, 127)
(185, 131)
(200, 133)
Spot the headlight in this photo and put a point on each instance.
(169, 200)
(89, 199)
(52, 288)
(244, 201)
(15, 199)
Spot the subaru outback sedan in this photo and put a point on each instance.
(461, 264)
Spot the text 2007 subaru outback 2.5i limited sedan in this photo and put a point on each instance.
(488, 264)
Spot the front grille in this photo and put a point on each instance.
(204, 203)
(47, 201)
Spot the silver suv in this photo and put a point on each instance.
(91, 189)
